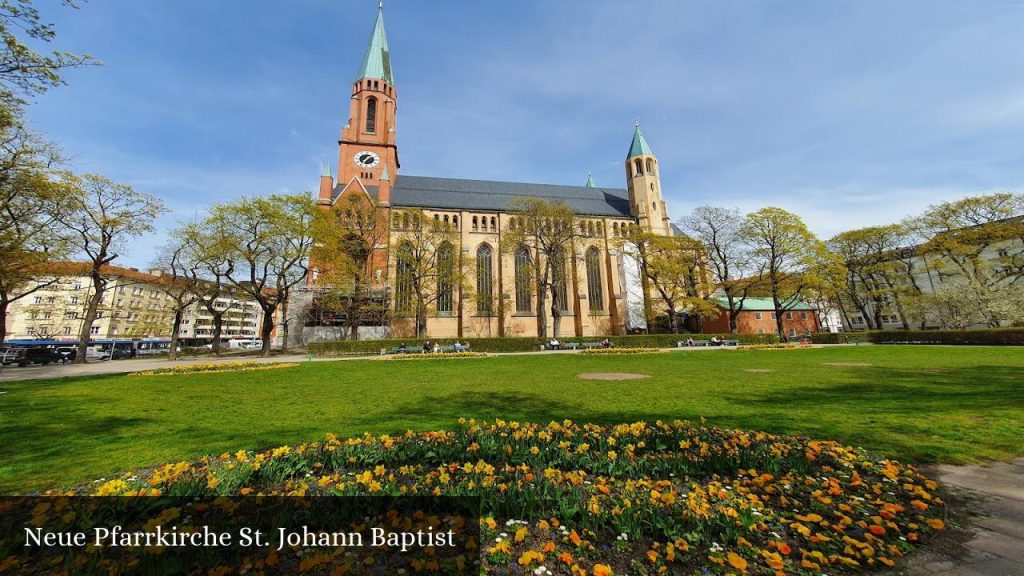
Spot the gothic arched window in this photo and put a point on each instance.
(371, 114)
(523, 303)
(445, 278)
(403, 278)
(639, 167)
(594, 292)
(650, 166)
(484, 280)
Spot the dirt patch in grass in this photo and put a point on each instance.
(611, 376)
(848, 364)
(758, 370)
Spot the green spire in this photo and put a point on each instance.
(325, 170)
(590, 181)
(376, 62)
(639, 146)
(384, 176)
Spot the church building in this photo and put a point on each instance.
(598, 298)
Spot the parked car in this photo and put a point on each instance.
(96, 353)
(67, 353)
(44, 356)
(120, 354)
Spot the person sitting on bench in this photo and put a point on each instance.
(689, 341)
(554, 344)
(606, 343)
(458, 346)
(715, 341)
(401, 348)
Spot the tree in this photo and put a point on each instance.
(962, 236)
(347, 236)
(430, 269)
(177, 264)
(728, 256)
(269, 239)
(783, 250)
(673, 269)
(875, 272)
(31, 200)
(101, 216)
(549, 230)
(23, 71)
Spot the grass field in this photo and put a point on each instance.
(921, 404)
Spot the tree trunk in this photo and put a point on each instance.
(266, 329)
(734, 316)
(673, 322)
(99, 287)
(4, 303)
(218, 326)
(284, 325)
(556, 318)
(172, 354)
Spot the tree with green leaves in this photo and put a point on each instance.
(268, 239)
(729, 261)
(976, 244)
(672, 267)
(101, 216)
(875, 275)
(177, 264)
(430, 270)
(32, 198)
(783, 251)
(550, 231)
(347, 237)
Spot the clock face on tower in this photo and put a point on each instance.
(366, 159)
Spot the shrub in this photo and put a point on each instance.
(525, 344)
(989, 337)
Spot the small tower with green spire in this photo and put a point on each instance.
(590, 180)
(644, 186)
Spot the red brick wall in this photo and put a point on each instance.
(748, 323)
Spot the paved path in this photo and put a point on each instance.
(994, 496)
(15, 373)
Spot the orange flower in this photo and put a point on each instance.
(736, 561)
(876, 529)
(919, 505)
(937, 524)
(549, 547)
(784, 549)
(566, 558)
(602, 570)
(575, 538)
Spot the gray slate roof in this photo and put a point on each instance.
(457, 194)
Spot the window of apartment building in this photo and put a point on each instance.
(44, 329)
(858, 319)
(789, 315)
(99, 314)
(94, 330)
(803, 315)
(30, 330)
(51, 300)
(67, 330)
(185, 321)
(792, 331)
(37, 300)
(47, 314)
(773, 316)
(74, 299)
(71, 315)
(77, 286)
(1003, 252)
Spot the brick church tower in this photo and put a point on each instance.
(367, 151)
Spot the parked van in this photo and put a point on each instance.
(245, 344)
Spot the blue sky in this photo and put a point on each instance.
(848, 113)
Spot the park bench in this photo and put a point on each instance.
(590, 345)
(730, 343)
(682, 343)
(408, 350)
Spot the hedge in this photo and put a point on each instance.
(524, 344)
(989, 337)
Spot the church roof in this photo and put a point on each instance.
(639, 146)
(457, 194)
(376, 61)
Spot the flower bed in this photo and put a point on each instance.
(583, 499)
(773, 347)
(607, 351)
(216, 367)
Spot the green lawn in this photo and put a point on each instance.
(922, 404)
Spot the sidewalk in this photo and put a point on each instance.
(16, 373)
(994, 494)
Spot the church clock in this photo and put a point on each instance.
(366, 159)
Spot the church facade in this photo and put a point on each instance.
(598, 300)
